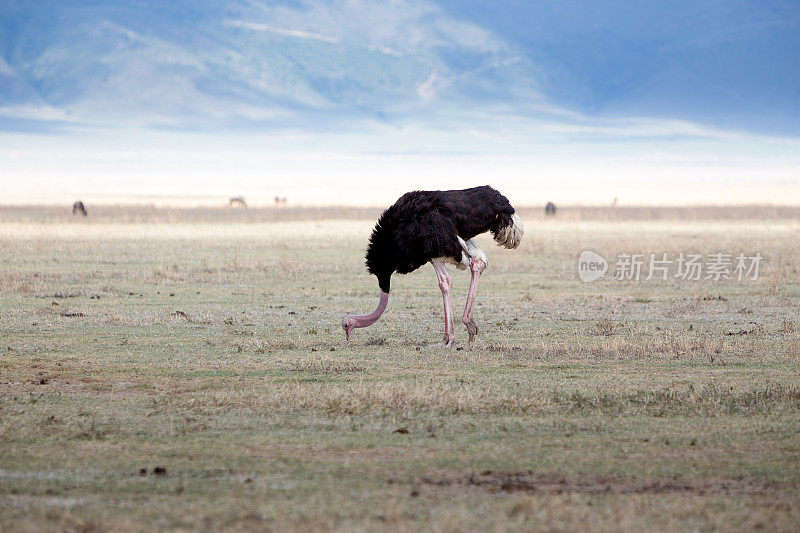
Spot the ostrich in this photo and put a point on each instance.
(79, 209)
(437, 227)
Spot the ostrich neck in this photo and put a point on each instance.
(362, 321)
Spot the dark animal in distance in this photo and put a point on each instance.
(79, 209)
(550, 209)
(237, 201)
(438, 227)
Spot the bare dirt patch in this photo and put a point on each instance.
(542, 483)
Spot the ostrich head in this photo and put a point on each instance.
(362, 321)
(348, 324)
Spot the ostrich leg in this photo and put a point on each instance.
(445, 284)
(477, 264)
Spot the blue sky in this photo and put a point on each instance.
(650, 93)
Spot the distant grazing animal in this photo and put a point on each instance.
(79, 209)
(280, 200)
(237, 201)
(550, 209)
(438, 227)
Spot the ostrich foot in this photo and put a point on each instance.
(444, 343)
(472, 329)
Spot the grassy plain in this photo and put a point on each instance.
(185, 369)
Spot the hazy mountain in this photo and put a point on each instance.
(326, 64)
(728, 62)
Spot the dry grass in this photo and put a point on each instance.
(207, 343)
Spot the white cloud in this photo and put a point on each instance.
(35, 112)
(282, 31)
(433, 85)
(397, 27)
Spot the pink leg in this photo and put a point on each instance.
(476, 267)
(445, 284)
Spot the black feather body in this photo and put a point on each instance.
(424, 225)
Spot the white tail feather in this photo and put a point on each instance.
(511, 235)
